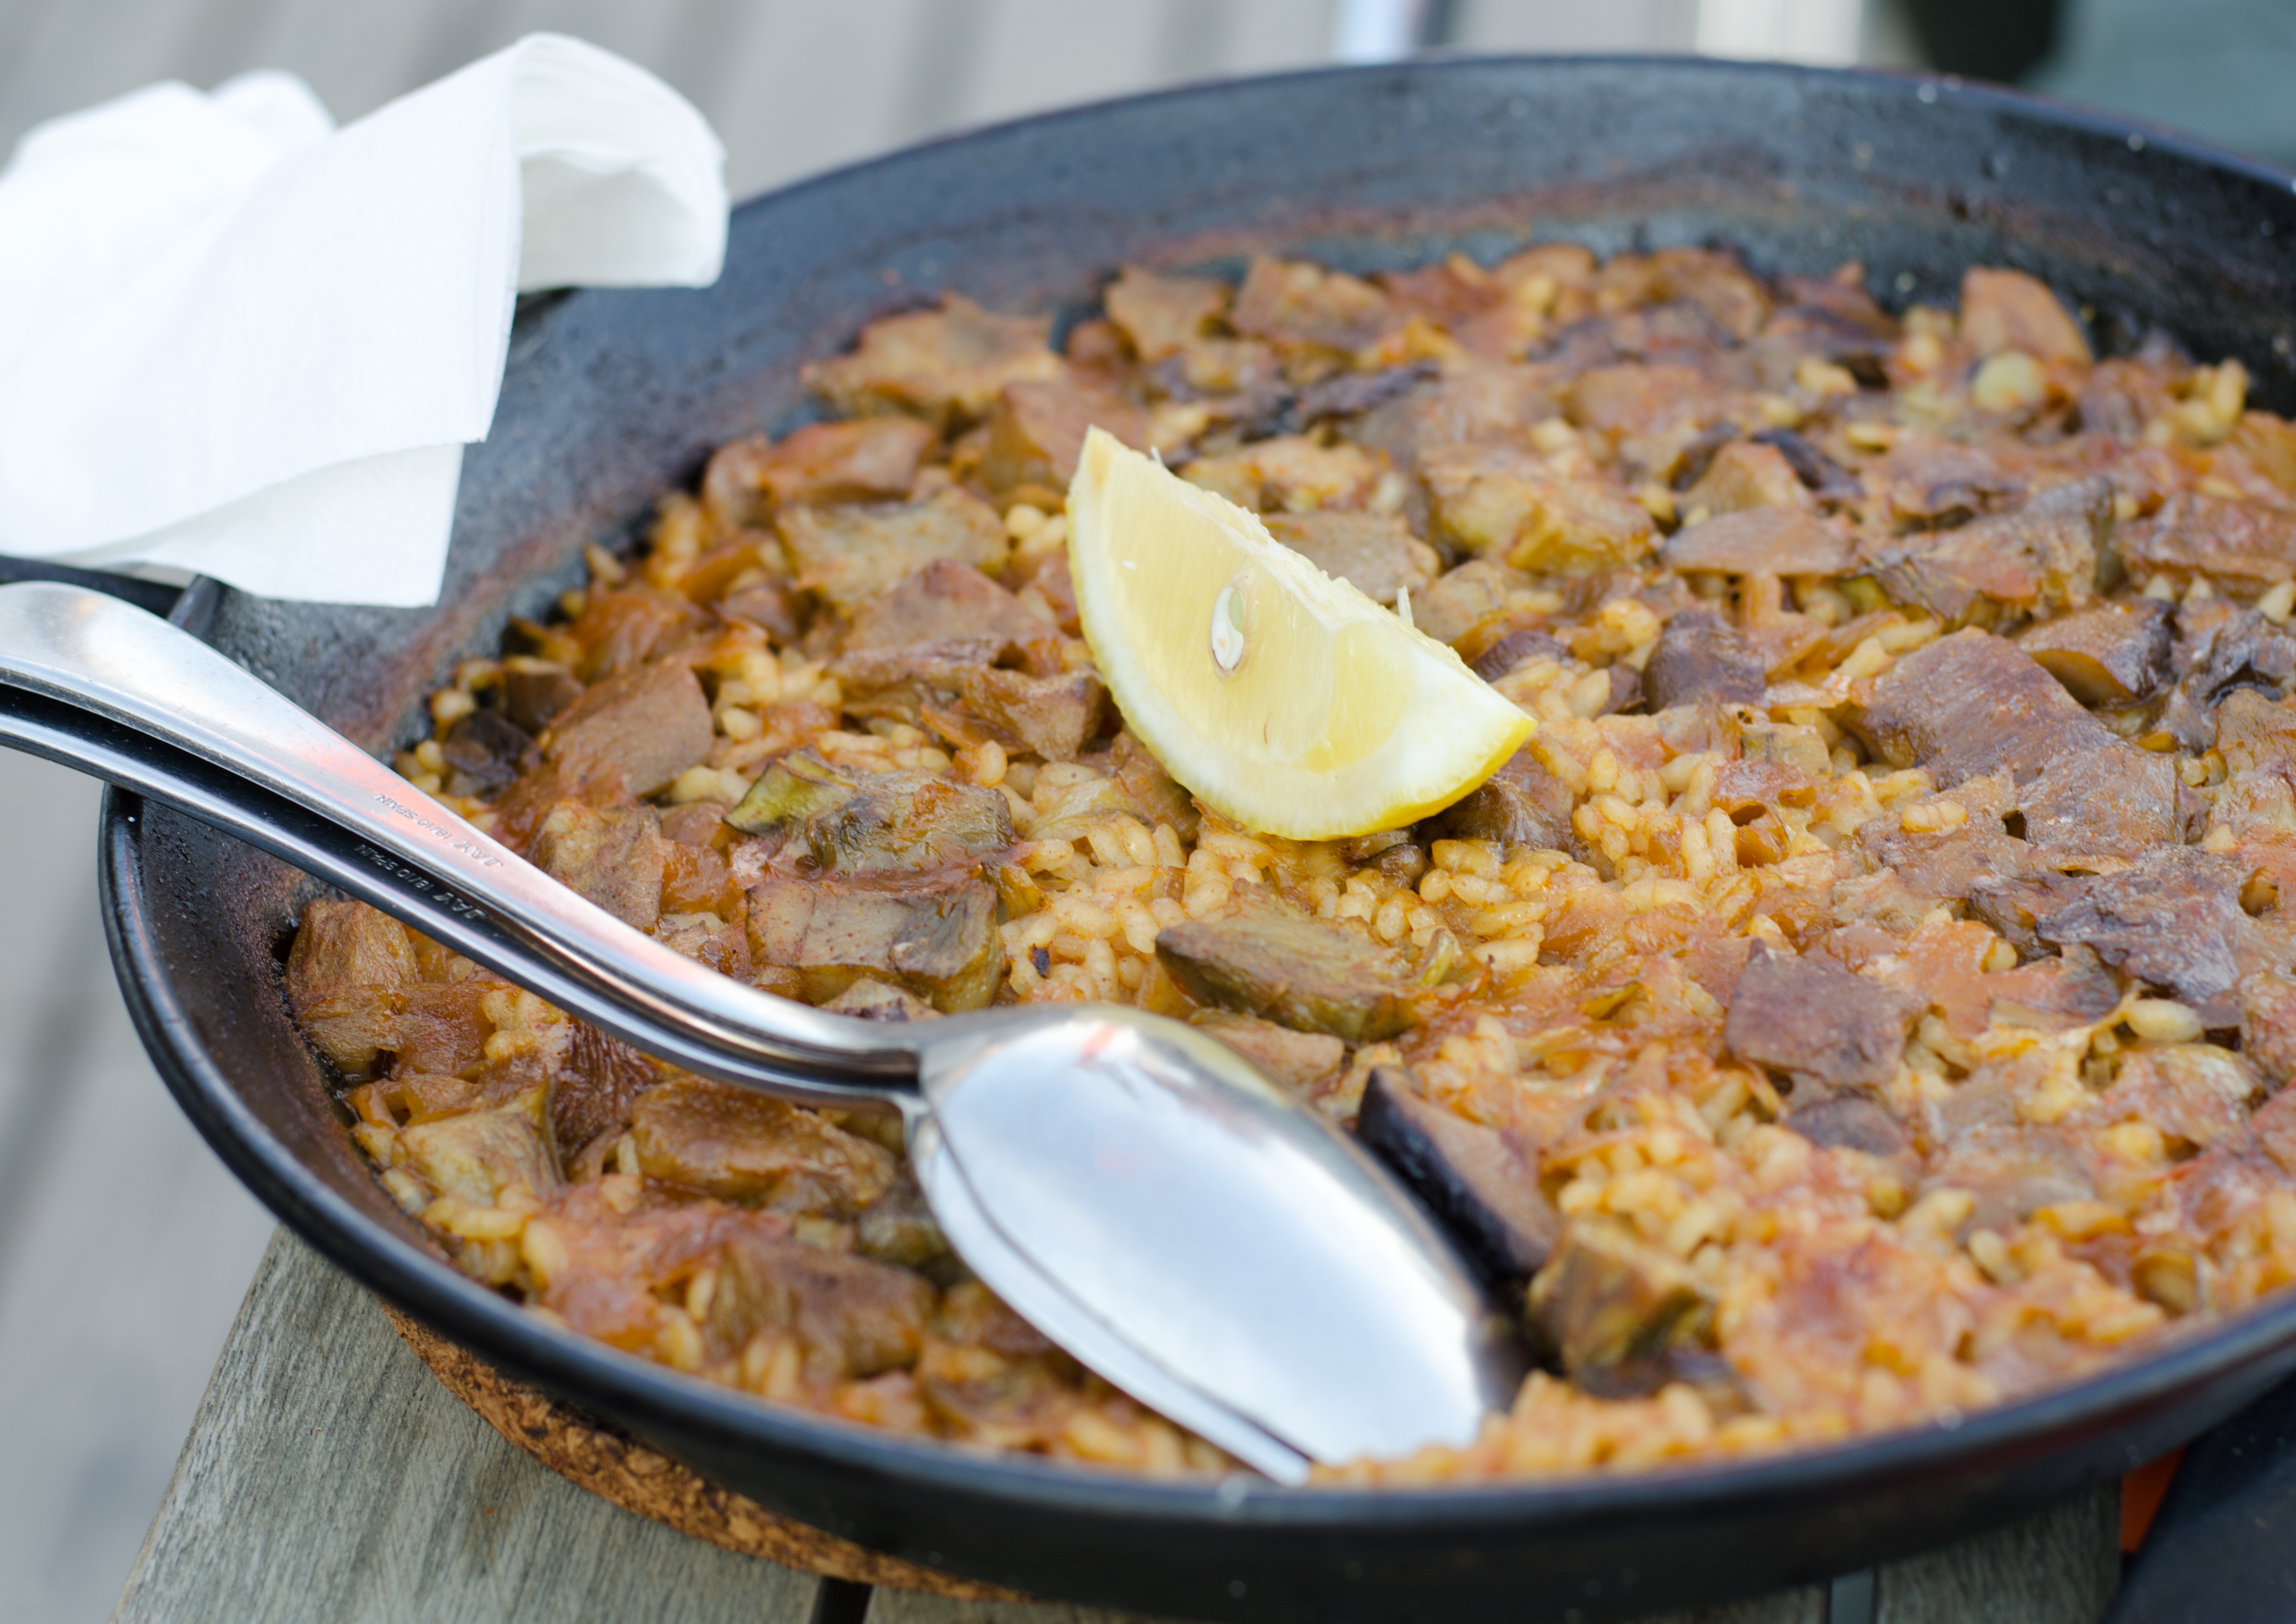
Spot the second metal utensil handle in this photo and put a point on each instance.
(117, 662)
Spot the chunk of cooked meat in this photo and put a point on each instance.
(966, 701)
(1606, 1299)
(1469, 596)
(1477, 1180)
(1349, 394)
(1970, 704)
(1301, 973)
(346, 977)
(535, 692)
(623, 627)
(898, 1227)
(1761, 541)
(1928, 480)
(1700, 655)
(944, 366)
(1154, 793)
(1293, 472)
(1653, 412)
(2117, 801)
(1465, 401)
(700, 825)
(2256, 735)
(851, 1316)
(1745, 475)
(486, 753)
(869, 460)
(2011, 1169)
(2002, 310)
(2241, 651)
(944, 602)
(1521, 804)
(1502, 500)
(2195, 1092)
(646, 727)
(2041, 557)
(1853, 1123)
(747, 1147)
(1828, 1029)
(2173, 919)
(868, 999)
(598, 1081)
(1376, 554)
(608, 1258)
(1730, 296)
(2268, 1024)
(476, 1157)
(1294, 1059)
(1036, 430)
(442, 1031)
(2109, 654)
(1516, 650)
(848, 554)
(613, 857)
(988, 1376)
(1296, 303)
(2218, 537)
(708, 938)
(770, 605)
(938, 941)
(1161, 314)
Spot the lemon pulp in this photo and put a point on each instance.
(1283, 699)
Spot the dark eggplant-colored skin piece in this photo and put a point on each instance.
(1482, 1188)
(612, 396)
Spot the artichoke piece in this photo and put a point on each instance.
(1296, 971)
(908, 821)
(791, 792)
(938, 941)
(1606, 1300)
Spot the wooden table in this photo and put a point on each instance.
(328, 1476)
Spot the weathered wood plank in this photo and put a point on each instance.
(329, 1476)
(124, 1246)
(2059, 1567)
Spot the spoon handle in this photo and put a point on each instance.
(136, 672)
(75, 738)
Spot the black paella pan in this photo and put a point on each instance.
(611, 397)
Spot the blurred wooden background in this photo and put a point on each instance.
(124, 1246)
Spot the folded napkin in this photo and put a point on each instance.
(238, 341)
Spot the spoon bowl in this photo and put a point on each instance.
(1137, 1190)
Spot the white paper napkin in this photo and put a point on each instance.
(238, 341)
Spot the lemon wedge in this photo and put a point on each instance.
(1285, 699)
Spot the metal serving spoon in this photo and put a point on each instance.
(1131, 1186)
